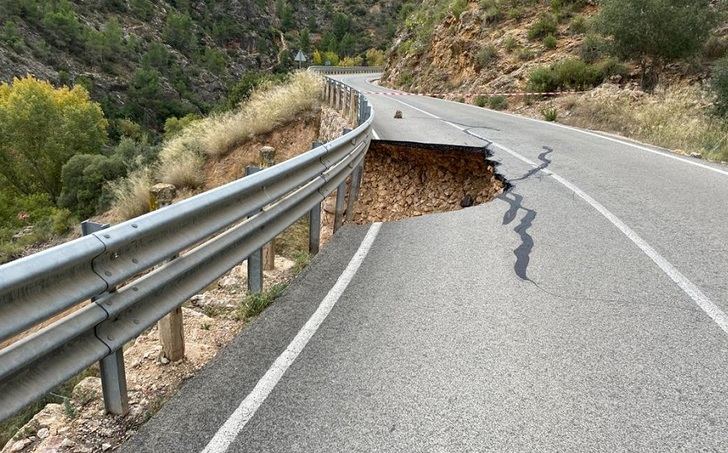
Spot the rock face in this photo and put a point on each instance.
(451, 58)
(403, 181)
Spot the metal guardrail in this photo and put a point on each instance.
(106, 288)
(331, 70)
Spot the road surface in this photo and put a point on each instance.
(582, 310)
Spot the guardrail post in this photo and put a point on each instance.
(113, 374)
(352, 105)
(314, 222)
(171, 327)
(340, 199)
(268, 159)
(354, 191)
(255, 260)
(113, 383)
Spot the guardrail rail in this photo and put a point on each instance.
(104, 289)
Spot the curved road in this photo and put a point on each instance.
(582, 310)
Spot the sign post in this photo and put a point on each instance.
(300, 58)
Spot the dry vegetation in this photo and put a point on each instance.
(182, 158)
(675, 117)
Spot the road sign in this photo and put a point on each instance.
(300, 58)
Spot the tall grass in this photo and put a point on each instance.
(677, 118)
(181, 159)
(131, 194)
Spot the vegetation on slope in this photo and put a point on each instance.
(491, 46)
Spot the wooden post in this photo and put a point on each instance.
(268, 159)
(171, 328)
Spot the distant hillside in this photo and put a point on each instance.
(147, 60)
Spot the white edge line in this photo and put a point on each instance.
(712, 310)
(227, 433)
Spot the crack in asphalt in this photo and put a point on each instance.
(523, 251)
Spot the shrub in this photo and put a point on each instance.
(550, 42)
(84, 176)
(716, 47)
(573, 73)
(592, 48)
(510, 43)
(542, 80)
(41, 128)
(544, 26)
(135, 154)
(525, 55)
(656, 31)
(131, 194)
(179, 32)
(173, 126)
(480, 101)
(578, 25)
(375, 57)
(719, 85)
(498, 102)
(486, 55)
(550, 114)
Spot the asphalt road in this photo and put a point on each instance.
(582, 310)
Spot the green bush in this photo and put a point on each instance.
(542, 80)
(550, 42)
(498, 102)
(84, 176)
(578, 25)
(480, 101)
(544, 26)
(486, 55)
(719, 85)
(573, 74)
(592, 48)
(179, 32)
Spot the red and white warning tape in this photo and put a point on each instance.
(435, 95)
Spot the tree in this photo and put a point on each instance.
(83, 179)
(347, 44)
(375, 57)
(304, 41)
(656, 32)
(179, 32)
(41, 128)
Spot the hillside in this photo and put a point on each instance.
(145, 61)
(651, 83)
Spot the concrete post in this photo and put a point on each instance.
(268, 159)
(171, 328)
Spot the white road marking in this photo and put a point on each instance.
(375, 135)
(671, 271)
(247, 408)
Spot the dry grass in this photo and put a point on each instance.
(676, 118)
(131, 194)
(267, 108)
(182, 158)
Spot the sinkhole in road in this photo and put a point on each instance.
(406, 179)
